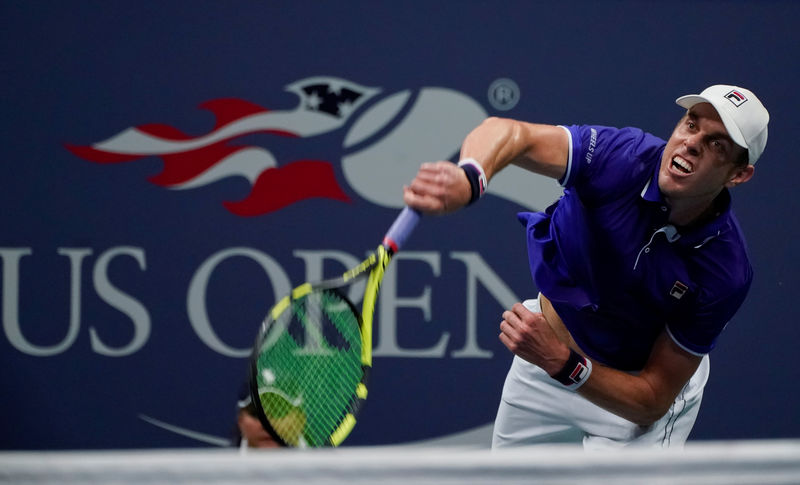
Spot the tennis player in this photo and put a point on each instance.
(640, 265)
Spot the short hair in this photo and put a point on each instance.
(743, 159)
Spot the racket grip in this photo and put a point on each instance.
(401, 228)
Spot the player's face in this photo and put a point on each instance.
(699, 159)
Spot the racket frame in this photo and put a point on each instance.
(373, 267)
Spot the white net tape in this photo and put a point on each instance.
(728, 463)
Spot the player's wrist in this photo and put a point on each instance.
(476, 176)
(558, 360)
(575, 371)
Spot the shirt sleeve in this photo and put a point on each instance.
(604, 161)
(699, 335)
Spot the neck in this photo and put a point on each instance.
(690, 213)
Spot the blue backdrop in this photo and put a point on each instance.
(171, 167)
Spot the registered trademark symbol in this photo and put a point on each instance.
(503, 94)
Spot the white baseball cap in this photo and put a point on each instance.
(741, 112)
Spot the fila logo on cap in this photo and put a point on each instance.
(736, 98)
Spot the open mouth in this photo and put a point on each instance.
(681, 165)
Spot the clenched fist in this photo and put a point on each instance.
(528, 335)
(438, 188)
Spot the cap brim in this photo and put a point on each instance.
(690, 100)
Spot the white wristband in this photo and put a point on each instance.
(575, 372)
(476, 176)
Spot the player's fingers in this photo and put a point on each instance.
(428, 166)
(511, 338)
(512, 318)
(438, 188)
(426, 186)
(424, 178)
(419, 192)
(440, 174)
(436, 177)
(509, 329)
(422, 202)
(509, 344)
(427, 177)
(430, 194)
(432, 171)
(525, 319)
(520, 310)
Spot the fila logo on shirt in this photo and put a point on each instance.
(736, 98)
(678, 290)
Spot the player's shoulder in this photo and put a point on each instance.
(605, 157)
(593, 143)
(607, 134)
(633, 141)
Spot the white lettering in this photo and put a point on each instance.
(389, 303)
(196, 298)
(416, 295)
(121, 301)
(592, 145)
(11, 326)
(478, 270)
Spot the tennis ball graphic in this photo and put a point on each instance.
(386, 144)
(291, 426)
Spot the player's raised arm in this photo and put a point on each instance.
(443, 187)
(497, 142)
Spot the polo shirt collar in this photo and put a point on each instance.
(697, 236)
(650, 191)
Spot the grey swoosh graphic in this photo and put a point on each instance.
(195, 435)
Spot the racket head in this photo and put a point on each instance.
(307, 377)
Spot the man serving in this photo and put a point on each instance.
(640, 265)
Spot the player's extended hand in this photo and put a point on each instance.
(528, 335)
(438, 188)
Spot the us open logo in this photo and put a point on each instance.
(384, 139)
(736, 98)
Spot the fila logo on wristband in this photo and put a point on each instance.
(476, 176)
(579, 373)
(575, 371)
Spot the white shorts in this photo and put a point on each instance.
(537, 409)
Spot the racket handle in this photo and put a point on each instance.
(401, 228)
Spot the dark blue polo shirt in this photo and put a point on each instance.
(616, 271)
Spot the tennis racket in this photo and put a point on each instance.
(313, 352)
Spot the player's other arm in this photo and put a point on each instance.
(442, 187)
(646, 397)
(642, 399)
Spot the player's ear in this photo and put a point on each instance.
(741, 175)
